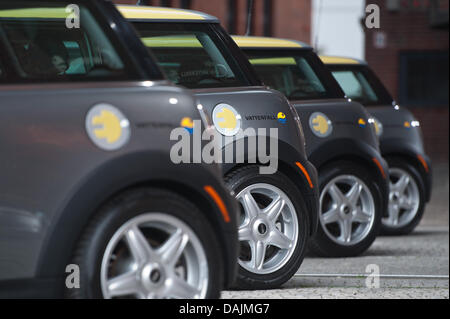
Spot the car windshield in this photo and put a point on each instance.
(42, 40)
(191, 54)
(356, 86)
(293, 74)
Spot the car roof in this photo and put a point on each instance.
(161, 14)
(130, 12)
(34, 13)
(188, 41)
(266, 42)
(341, 60)
(273, 61)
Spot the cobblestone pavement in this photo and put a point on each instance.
(419, 262)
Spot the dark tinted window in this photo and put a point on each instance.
(297, 74)
(38, 45)
(192, 55)
(424, 78)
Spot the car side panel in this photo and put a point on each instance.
(258, 108)
(394, 125)
(47, 154)
(400, 140)
(344, 116)
(348, 140)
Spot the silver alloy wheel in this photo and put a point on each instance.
(404, 199)
(269, 229)
(154, 256)
(347, 210)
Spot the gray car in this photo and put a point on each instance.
(91, 204)
(401, 143)
(279, 197)
(341, 143)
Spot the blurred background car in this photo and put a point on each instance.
(401, 143)
(340, 142)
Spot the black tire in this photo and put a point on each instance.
(94, 240)
(321, 244)
(395, 162)
(249, 175)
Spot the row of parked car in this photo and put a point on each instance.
(92, 204)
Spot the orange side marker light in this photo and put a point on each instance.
(219, 202)
(305, 172)
(424, 163)
(380, 167)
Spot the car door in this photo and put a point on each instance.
(51, 80)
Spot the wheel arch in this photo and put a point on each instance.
(360, 153)
(412, 159)
(141, 170)
(288, 156)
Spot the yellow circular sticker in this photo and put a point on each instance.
(107, 127)
(226, 119)
(320, 124)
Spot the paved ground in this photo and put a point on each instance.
(419, 262)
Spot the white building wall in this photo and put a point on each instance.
(336, 27)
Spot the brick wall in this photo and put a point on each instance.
(409, 29)
(290, 18)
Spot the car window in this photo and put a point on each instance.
(293, 76)
(298, 74)
(356, 86)
(39, 45)
(191, 55)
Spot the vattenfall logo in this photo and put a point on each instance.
(280, 117)
(188, 124)
(260, 117)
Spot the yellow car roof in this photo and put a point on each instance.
(130, 12)
(340, 60)
(35, 13)
(273, 61)
(187, 41)
(164, 14)
(264, 42)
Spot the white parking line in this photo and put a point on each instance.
(432, 277)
